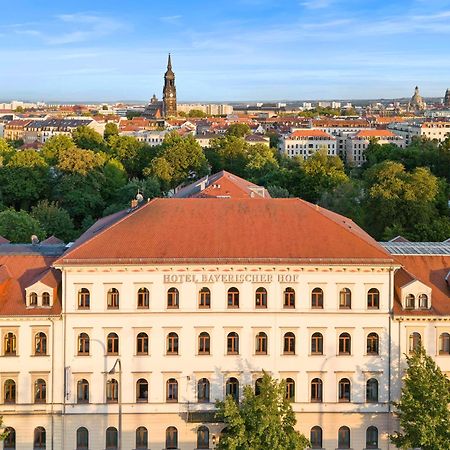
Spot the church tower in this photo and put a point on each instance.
(169, 91)
(447, 98)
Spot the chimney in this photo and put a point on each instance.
(34, 239)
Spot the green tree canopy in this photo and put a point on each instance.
(77, 160)
(111, 129)
(54, 221)
(196, 113)
(54, 146)
(238, 130)
(6, 152)
(19, 226)
(87, 138)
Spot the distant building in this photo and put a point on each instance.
(305, 142)
(15, 129)
(209, 109)
(416, 103)
(431, 130)
(447, 98)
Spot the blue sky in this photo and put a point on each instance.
(224, 49)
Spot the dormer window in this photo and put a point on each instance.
(410, 301)
(423, 301)
(45, 299)
(33, 299)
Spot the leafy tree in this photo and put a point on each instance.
(196, 113)
(55, 221)
(4, 433)
(278, 192)
(259, 422)
(87, 138)
(110, 130)
(131, 114)
(238, 130)
(19, 226)
(423, 408)
(260, 158)
(76, 160)
(6, 152)
(232, 153)
(54, 146)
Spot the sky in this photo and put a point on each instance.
(223, 50)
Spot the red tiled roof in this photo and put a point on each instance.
(3, 240)
(375, 133)
(310, 133)
(52, 240)
(231, 230)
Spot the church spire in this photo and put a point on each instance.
(169, 63)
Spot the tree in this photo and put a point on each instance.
(261, 421)
(19, 226)
(76, 160)
(6, 152)
(423, 409)
(4, 433)
(110, 130)
(55, 221)
(238, 130)
(196, 113)
(87, 138)
(54, 146)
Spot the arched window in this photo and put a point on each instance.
(40, 438)
(290, 389)
(232, 344)
(171, 390)
(204, 343)
(82, 438)
(141, 438)
(112, 346)
(141, 390)
(202, 437)
(33, 299)
(10, 440)
(40, 391)
(344, 437)
(423, 301)
(233, 298)
(113, 299)
(111, 438)
(10, 344)
(373, 299)
(317, 344)
(317, 298)
(289, 344)
(258, 383)
(261, 343)
(410, 301)
(316, 390)
(344, 390)
(345, 298)
(112, 391)
(84, 299)
(171, 438)
(261, 298)
(142, 344)
(45, 299)
(444, 344)
(373, 344)
(83, 391)
(9, 394)
(415, 341)
(173, 298)
(204, 298)
(232, 388)
(289, 298)
(83, 344)
(40, 344)
(203, 390)
(316, 437)
(172, 344)
(372, 390)
(372, 437)
(344, 344)
(143, 298)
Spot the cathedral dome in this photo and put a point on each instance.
(417, 102)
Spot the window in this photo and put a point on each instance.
(316, 437)
(142, 344)
(45, 299)
(204, 342)
(373, 299)
(143, 298)
(344, 438)
(203, 390)
(40, 391)
(83, 344)
(204, 298)
(344, 344)
(316, 390)
(410, 301)
(423, 301)
(372, 391)
(82, 439)
(444, 344)
(232, 388)
(9, 394)
(258, 383)
(345, 298)
(40, 440)
(112, 391)
(290, 389)
(40, 344)
(142, 390)
(141, 438)
(373, 344)
(173, 298)
(112, 346)
(261, 343)
(261, 298)
(84, 299)
(289, 344)
(10, 344)
(233, 298)
(113, 299)
(415, 341)
(203, 437)
(372, 437)
(172, 344)
(171, 390)
(317, 298)
(10, 440)
(83, 391)
(344, 390)
(111, 438)
(33, 299)
(232, 344)
(289, 298)
(171, 438)
(317, 344)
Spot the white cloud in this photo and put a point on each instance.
(171, 20)
(316, 4)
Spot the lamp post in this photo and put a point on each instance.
(111, 372)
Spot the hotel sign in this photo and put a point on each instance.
(230, 278)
